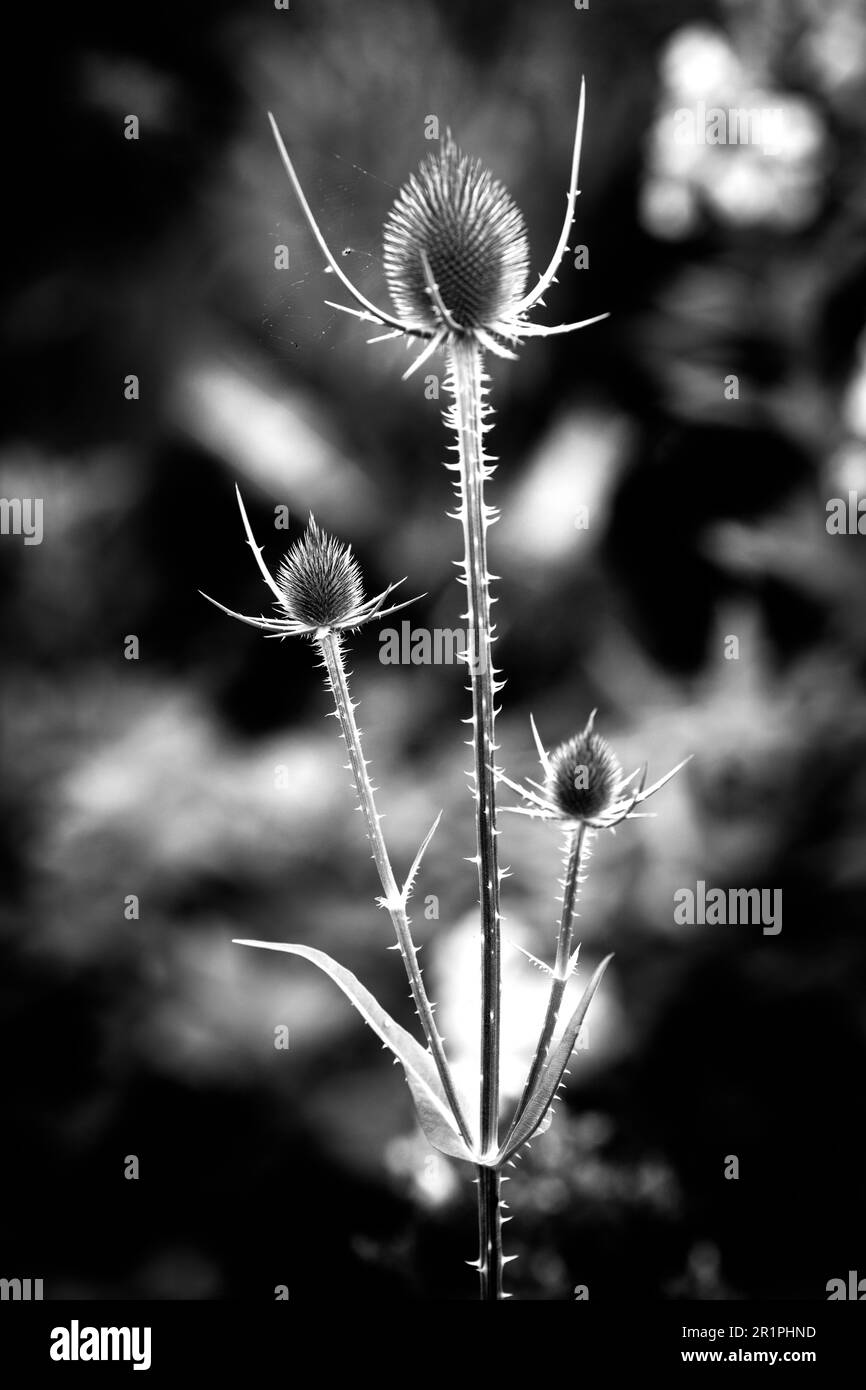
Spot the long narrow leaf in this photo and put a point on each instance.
(420, 1069)
(539, 1104)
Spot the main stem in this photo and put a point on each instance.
(466, 383)
(395, 901)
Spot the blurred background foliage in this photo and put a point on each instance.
(203, 777)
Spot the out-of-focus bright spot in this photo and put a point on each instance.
(121, 86)
(559, 507)
(215, 1010)
(667, 209)
(798, 130)
(740, 189)
(836, 46)
(432, 1180)
(792, 548)
(455, 974)
(698, 59)
(703, 1279)
(269, 434)
(753, 733)
(179, 1272)
(172, 782)
(847, 469)
(721, 146)
(525, 991)
(161, 796)
(77, 493)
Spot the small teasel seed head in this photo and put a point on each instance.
(473, 235)
(320, 579)
(584, 776)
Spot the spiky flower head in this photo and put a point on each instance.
(584, 777)
(456, 257)
(583, 784)
(455, 216)
(320, 579)
(318, 587)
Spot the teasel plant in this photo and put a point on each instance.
(456, 262)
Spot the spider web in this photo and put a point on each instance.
(350, 204)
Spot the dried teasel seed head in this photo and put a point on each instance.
(454, 212)
(320, 579)
(584, 776)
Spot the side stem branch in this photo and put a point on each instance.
(575, 851)
(330, 647)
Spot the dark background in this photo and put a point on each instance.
(158, 777)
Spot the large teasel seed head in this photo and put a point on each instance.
(454, 212)
(584, 776)
(320, 579)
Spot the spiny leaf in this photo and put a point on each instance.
(539, 964)
(433, 1110)
(416, 862)
(538, 1105)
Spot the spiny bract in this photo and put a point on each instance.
(454, 212)
(320, 579)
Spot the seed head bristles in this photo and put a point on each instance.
(584, 777)
(318, 587)
(456, 256)
(456, 251)
(320, 579)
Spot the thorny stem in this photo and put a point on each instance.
(489, 1234)
(330, 647)
(465, 382)
(576, 850)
